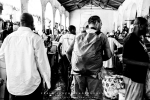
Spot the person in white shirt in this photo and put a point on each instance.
(64, 43)
(112, 42)
(26, 62)
(67, 39)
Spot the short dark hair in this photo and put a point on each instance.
(26, 19)
(141, 20)
(72, 29)
(87, 26)
(94, 19)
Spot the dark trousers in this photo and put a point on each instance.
(36, 95)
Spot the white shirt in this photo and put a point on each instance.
(24, 53)
(112, 43)
(66, 41)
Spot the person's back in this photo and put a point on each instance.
(66, 42)
(67, 39)
(112, 43)
(21, 45)
(26, 61)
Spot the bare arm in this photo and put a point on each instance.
(59, 49)
(117, 43)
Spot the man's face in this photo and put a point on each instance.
(142, 29)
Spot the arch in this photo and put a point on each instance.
(145, 7)
(67, 22)
(35, 8)
(125, 16)
(119, 23)
(114, 26)
(63, 21)
(133, 12)
(49, 16)
(57, 16)
(11, 7)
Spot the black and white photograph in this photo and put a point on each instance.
(74, 49)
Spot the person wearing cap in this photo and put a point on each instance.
(26, 62)
(112, 42)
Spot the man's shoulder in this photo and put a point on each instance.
(36, 36)
(129, 38)
(103, 35)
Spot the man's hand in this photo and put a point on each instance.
(1, 81)
(45, 86)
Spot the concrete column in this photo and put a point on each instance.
(54, 13)
(24, 6)
(43, 14)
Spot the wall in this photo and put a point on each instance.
(129, 9)
(80, 17)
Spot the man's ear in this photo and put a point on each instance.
(140, 26)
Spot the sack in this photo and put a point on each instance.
(87, 49)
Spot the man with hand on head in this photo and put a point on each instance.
(136, 61)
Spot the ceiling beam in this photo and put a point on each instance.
(78, 6)
(84, 3)
(112, 7)
(72, 8)
(68, 1)
(116, 2)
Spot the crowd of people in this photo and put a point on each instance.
(81, 59)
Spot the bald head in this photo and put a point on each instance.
(26, 20)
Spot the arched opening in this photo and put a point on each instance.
(35, 8)
(133, 12)
(145, 7)
(67, 22)
(119, 23)
(125, 16)
(63, 24)
(57, 19)
(11, 10)
(49, 16)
